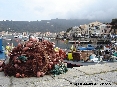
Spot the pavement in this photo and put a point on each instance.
(98, 75)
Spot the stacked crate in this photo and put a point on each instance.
(82, 55)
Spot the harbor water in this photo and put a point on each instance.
(64, 44)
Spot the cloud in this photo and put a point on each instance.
(32, 10)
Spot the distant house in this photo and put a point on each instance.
(105, 28)
(84, 29)
(94, 27)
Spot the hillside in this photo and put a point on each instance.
(53, 25)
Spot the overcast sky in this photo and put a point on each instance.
(32, 10)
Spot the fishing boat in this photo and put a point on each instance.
(88, 47)
(80, 42)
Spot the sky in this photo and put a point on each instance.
(33, 10)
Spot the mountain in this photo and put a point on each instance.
(53, 25)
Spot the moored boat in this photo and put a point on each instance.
(80, 42)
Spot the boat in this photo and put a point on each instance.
(80, 42)
(16, 36)
(88, 47)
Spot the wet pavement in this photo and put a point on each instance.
(98, 75)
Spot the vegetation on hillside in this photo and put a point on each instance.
(53, 25)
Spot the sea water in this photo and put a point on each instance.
(63, 44)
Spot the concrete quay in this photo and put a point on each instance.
(99, 75)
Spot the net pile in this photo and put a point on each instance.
(33, 59)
